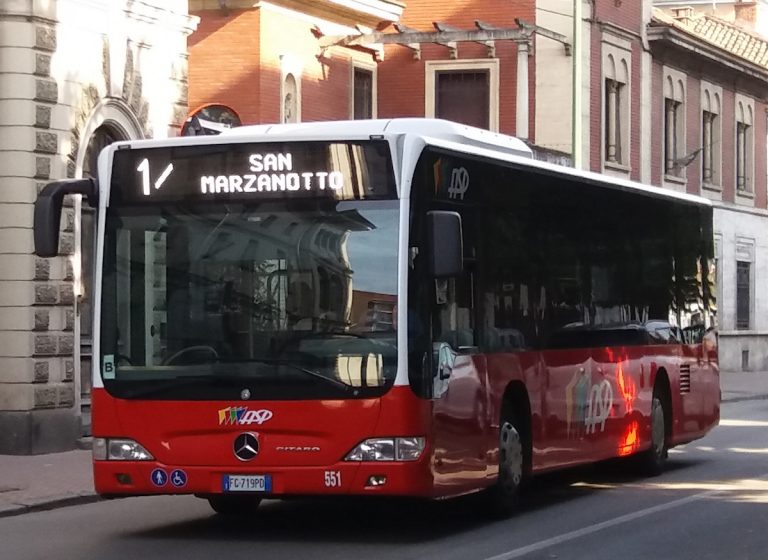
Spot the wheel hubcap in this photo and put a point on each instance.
(511, 457)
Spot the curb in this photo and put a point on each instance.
(745, 398)
(22, 509)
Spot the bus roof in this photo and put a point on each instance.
(428, 128)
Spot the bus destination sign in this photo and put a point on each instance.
(245, 171)
(272, 172)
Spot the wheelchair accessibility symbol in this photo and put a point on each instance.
(178, 478)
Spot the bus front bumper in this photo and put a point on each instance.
(139, 478)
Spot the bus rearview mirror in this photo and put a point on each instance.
(445, 239)
(48, 205)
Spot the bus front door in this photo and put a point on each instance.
(460, 423)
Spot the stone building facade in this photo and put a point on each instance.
(75, 75)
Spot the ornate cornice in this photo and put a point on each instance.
(371, 13)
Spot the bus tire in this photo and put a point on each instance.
(504, 495)
(653, 460)
(234, 505)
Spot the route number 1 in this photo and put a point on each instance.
(143, 168)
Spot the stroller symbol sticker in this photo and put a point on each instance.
(179, 478)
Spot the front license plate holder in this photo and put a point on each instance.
(258, 483)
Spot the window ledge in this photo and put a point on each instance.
(742, 332)
(675, 179)
(679, 184)
(615, 166)
(712, 187)
(745, 198)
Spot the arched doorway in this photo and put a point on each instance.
(110, 122)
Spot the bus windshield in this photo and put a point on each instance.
(283, 299)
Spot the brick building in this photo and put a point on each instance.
(309, 61)
(476, 83)
(710, 80)
(74, 76)
(264, 61)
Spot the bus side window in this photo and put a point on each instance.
(453, 310)
(453, 321)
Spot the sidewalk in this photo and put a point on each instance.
(743, 385)
(39, 482)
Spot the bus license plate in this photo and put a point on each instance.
(247, 483)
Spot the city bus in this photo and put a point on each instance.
(404, 307)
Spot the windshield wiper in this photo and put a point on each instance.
(310, 372)
(184, 381)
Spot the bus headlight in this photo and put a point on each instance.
(119, 450)
(388, 449)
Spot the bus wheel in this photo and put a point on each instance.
(653, 460)
(234, 505)
(505, 493)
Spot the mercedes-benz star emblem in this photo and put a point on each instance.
(245, 394)
(246, 446)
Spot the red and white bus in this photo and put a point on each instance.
(404, 307)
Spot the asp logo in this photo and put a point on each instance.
(459, 183)
(242, 416)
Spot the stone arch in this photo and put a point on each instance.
(113, 113)
(624, 71)
(711, 102)
(669, 88)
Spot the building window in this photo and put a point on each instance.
(463, 97)
(742, 131)
(613, 110)
(675, 158)
(709, 124)
(290, 100)
(362, 98)
(291, 68)
(743, 271)
(711, 147)
(744, 145)
(464, 91)
(673, 133)
(616, 104)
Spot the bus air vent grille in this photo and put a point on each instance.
(685, 378)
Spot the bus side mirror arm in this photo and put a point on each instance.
(48, 211)
(446, 251)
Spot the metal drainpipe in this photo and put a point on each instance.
(576, 128)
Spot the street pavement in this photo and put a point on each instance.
(41, 482)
